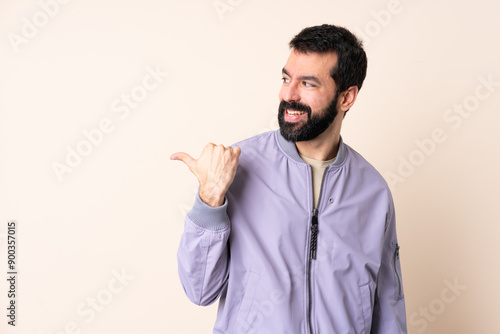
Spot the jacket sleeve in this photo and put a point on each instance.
(202, 256)
(389, 315)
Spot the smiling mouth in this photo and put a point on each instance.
(294, 112)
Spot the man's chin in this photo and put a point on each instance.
(290, 134)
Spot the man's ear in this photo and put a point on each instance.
(347, 98)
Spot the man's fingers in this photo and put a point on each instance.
(184, 157)
(237, 151)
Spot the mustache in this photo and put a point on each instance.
(293, 105)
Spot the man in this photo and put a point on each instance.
(302, 239)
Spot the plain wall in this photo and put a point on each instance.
(426, 118)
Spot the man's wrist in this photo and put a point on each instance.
(208, 217)
(213, 201)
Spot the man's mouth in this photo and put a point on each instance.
(294, 112)
(294, 115)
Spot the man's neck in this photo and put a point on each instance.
(323, 147)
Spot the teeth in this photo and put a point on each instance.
(295, 112)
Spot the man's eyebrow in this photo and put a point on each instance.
(304, 77)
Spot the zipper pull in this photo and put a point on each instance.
(394, 264)
(314, 234)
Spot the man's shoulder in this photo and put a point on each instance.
(359, 163)
(262, 144)
(256, 140)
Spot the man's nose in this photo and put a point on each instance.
(291, 93)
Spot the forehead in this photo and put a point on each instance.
(311, 64)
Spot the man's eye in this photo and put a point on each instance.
(285, 80)
(307, 84)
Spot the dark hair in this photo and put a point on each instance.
(351, 62)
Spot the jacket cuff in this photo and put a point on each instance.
(208, 217)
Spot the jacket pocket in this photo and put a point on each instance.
(367, 297)
(245, 320)
(396, 266)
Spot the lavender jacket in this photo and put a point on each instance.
(278, 266)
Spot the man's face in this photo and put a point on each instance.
(308, 100)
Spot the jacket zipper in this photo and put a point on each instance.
(313, 247)
(395, 257)
(314, 234)
(312, 256)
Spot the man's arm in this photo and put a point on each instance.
(203, 255)
(203, 252)
(389, 316)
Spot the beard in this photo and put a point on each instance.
(314, 126)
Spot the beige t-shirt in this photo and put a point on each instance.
(318, 169)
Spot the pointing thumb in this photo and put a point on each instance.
(184, 157)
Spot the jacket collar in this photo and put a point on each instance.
(291, 150)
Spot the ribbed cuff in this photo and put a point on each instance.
(208, 217)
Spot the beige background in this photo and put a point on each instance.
(121, 208)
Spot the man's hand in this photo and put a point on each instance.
(215, 170)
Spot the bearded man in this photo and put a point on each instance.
(293, 230)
